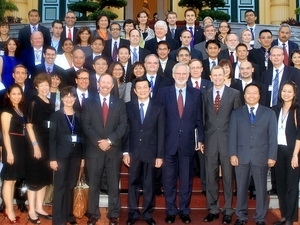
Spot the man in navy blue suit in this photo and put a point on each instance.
(183, 106)
(143, 149)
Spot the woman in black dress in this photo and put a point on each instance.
(38, 171)
(13, 154)
(65, 156)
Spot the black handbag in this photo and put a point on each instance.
(20, 190)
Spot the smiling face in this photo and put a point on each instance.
(246, 36)
(217, 76)
(105, 84)
(251, 95)
(296, 59)
(103, 23)
(68, 100)
(68, 46)
(287, 93)
(15, 96)
(50, 56)
(11, 46)
(100, 66)
(117, 72)
(82, 81)
(43, 89)
(142, 90)
(196, 69)
(70, 19)
(181, 75)
(138, 71)
(142, 18)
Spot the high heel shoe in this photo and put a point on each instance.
(34, 221)
(16, 220)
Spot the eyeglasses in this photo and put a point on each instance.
(83, 78)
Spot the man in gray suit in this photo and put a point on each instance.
(104, 123)
(252, 148)
(219, 101)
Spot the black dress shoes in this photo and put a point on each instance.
(272, 191)
(22, 207)
(226, 219)
(113, 221)
(210, 217)
(204, 193)
(260, 223)
(131, 221)
(92, 221)
(185, 218)
(279, 222)
(150, 221)
(170, 218)
(240, 222)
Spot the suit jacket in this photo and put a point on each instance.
(107, 51)
(63, 35)
(28, 60)
(239, 86)
(94, 129)
(195, 54)
(180, 132)
(289, 73)
(256, 75)
(145, 140)
(25, 33)
(217, 123)
(206, 68)
(143, 53)
(253, 143)
(256, 35)
(42, 69)
(198, 34)
(201, 47)
(257, 56)
(224, 54)
(205, 84)
(151, 44)
(292, 46)
(168, 69)
(60, 139)
(93, 89)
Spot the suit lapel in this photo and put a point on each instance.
(173, 98)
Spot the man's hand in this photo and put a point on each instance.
(158, 162)
(126, 159)
(234, 160)
(200, 147)
(104, 145)
(271, 162)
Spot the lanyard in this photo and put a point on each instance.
(72, 124)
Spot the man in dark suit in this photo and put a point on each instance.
(260, 56)
(56, 42)
(82, 93)
(195, 79)
(48, 66)
(25, 32)
(183, 109)
(69, 30)
(196, 31)
(171, 19)
(136, 52)
(218, 101)
(112, 45)
(231, 41)
(252, 148)
(124, 58)
(104, 123)
(160, 30)
(97, 47)
(284, 35)
(165, 63)
(143, 151)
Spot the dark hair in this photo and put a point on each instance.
(241, 45)
(83, 70)
(171, 13)
(33, 10)
(98, 38)
(100, 57)
(20, 66)
(141, 79)
(128, 49)
(224, 62)
(293, 52)
(40, 78)
(65, 40)
(4, 24)
(80, 31)
(182, 49)
(68, 90)
(265, 31)
(115, 23)
(111, 68)
(249, 10)
(294, 101)
(17, 53)
(224, 21)
(163, 43)
(128, 21)
(139, 14)
(253, 84)
(189, 10)
(99, 17)
(213, 42)
(48, 47)
(56, 21)
(58, 75)
(137, 63)
(7, 101)
(134, 30)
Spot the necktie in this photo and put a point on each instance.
(104, 111)
(172, 33)
(252, 33)
(115, 52)
(69, 34)
(37, 55)
(192, 33)
(82, 98)
(231, 57)
(180, 103)
(152, 83)
(286, 56)
(135, 56)
(197, 85)
(34, 28)
(213, 63)
(48, 70)
(217, 102)
(275, 88)
(252, 115)
(142, 115)
(266, 59)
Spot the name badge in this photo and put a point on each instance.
(270, 88)
(281, 131)
(74, 138)
(48, 124)
(252, 42)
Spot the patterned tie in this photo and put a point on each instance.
(37, 54)
(172, 33)
(266, 59)
(180, 103)
(34, 28)
(197, 85)
(115, 52)
(213, 64)
(231, 57)
(48, 70)
(252, 115)
(70, 34)
(104, 111)
(152, 83)
(217, 102)
(192, 33)
(142, 115)
(286, 56)
(135, 56)
(82, 98)
(275, 88)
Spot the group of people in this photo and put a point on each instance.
(158, 99)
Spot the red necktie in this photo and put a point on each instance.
(197, 85)
(180, 103)
(69, 34)
(104, 111)
(286, 56)
(231, 57)
(217, 102)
